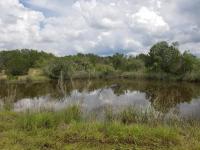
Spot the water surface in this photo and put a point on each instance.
(94, 96)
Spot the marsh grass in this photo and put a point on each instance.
(48, 119)
(127, 128)
(10, 97)
(132, 114)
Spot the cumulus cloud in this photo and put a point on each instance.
(98, 26)
(18, 25)
(148, 20)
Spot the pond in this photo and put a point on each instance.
(182, 99)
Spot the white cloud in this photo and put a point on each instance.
(18, 25)
(149, 20)
(96, 26)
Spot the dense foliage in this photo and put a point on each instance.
(167, 58)
(18, 62)
(162, 58)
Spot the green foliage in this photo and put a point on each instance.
(133, 64)
(188, 62)
(168, 59)
(163, 60)
(104, 69)
(57, 68)
(70, 114)
(18, 62)
(47, 119)
(163, 57)
(118, 61)
(48, 130)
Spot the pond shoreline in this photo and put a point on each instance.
(23, 127)
(67, 129)
(125, 75)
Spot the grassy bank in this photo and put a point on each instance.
(36, 75)
(69, 129)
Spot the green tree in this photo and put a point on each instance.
(134, 64)
(58, 66)
(189, 61)
(18, 62)
(165, 58)
(118, 61)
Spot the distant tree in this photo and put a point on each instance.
(57, 67)
(18, 62)
(104, 69)
(166, 58)
(188, 62)
(162, 58)
(134, 64)
(117, 60)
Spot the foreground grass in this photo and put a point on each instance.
(67, 129)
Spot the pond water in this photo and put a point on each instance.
(182, 99)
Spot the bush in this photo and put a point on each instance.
(57, 68)
(104, 69)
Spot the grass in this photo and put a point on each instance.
(48, 119)
(33, 75)
(68, 129)
(3, 76)
(37, 75)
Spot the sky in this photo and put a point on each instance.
(103, 27)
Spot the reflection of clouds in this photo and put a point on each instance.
(37, 104)
(98, 99)
(89, 100)
(190, 110)
(1, 104)
(107, 97)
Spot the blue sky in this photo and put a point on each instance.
(102, 27)
(46, 12)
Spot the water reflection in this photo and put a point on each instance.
(165, 97)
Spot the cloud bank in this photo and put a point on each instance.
(102, 27)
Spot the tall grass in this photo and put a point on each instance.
(131, 115)
(49, 119)
(10, 97)
(130, 127)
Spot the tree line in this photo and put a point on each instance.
(162, 58)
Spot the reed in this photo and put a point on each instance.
(67, 129)
(10, 97)
(48, 119)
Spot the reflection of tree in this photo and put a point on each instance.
(162, 95)
(165, 97)
(29, 90)
(119, 90)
